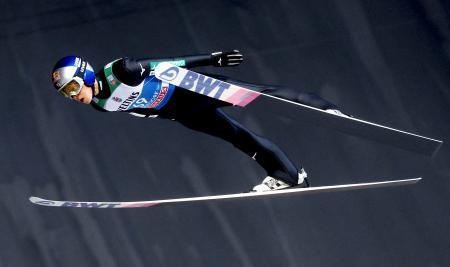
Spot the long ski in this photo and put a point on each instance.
(293, 191)
(244, 97)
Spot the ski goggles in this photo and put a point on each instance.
(72, 87)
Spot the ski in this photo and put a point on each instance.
(244, 97)
(296, 191)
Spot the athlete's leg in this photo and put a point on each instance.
(309, 99)
(216, 123)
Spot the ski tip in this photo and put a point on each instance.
(410, 181)
(40, 201)
(34, 199)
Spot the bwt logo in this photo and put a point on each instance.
(89, 204)
(170, 74)
(203, 84)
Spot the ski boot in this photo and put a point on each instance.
(269, 183)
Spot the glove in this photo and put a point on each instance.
(226, 59)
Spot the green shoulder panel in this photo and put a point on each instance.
(178, 63)
(112, 81)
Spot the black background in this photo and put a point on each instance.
(384, 61)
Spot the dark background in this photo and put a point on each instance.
(384, 61)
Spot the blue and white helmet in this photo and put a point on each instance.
(69, 67)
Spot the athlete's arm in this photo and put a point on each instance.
(132, 72)
(217, 59)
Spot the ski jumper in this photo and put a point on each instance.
(128, 85)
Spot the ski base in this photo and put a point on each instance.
(296, 191)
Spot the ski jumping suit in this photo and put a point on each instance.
(128, 85)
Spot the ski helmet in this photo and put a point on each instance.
(70, 73)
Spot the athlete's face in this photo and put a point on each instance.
(85, 95)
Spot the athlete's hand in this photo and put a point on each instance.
(227, 59)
